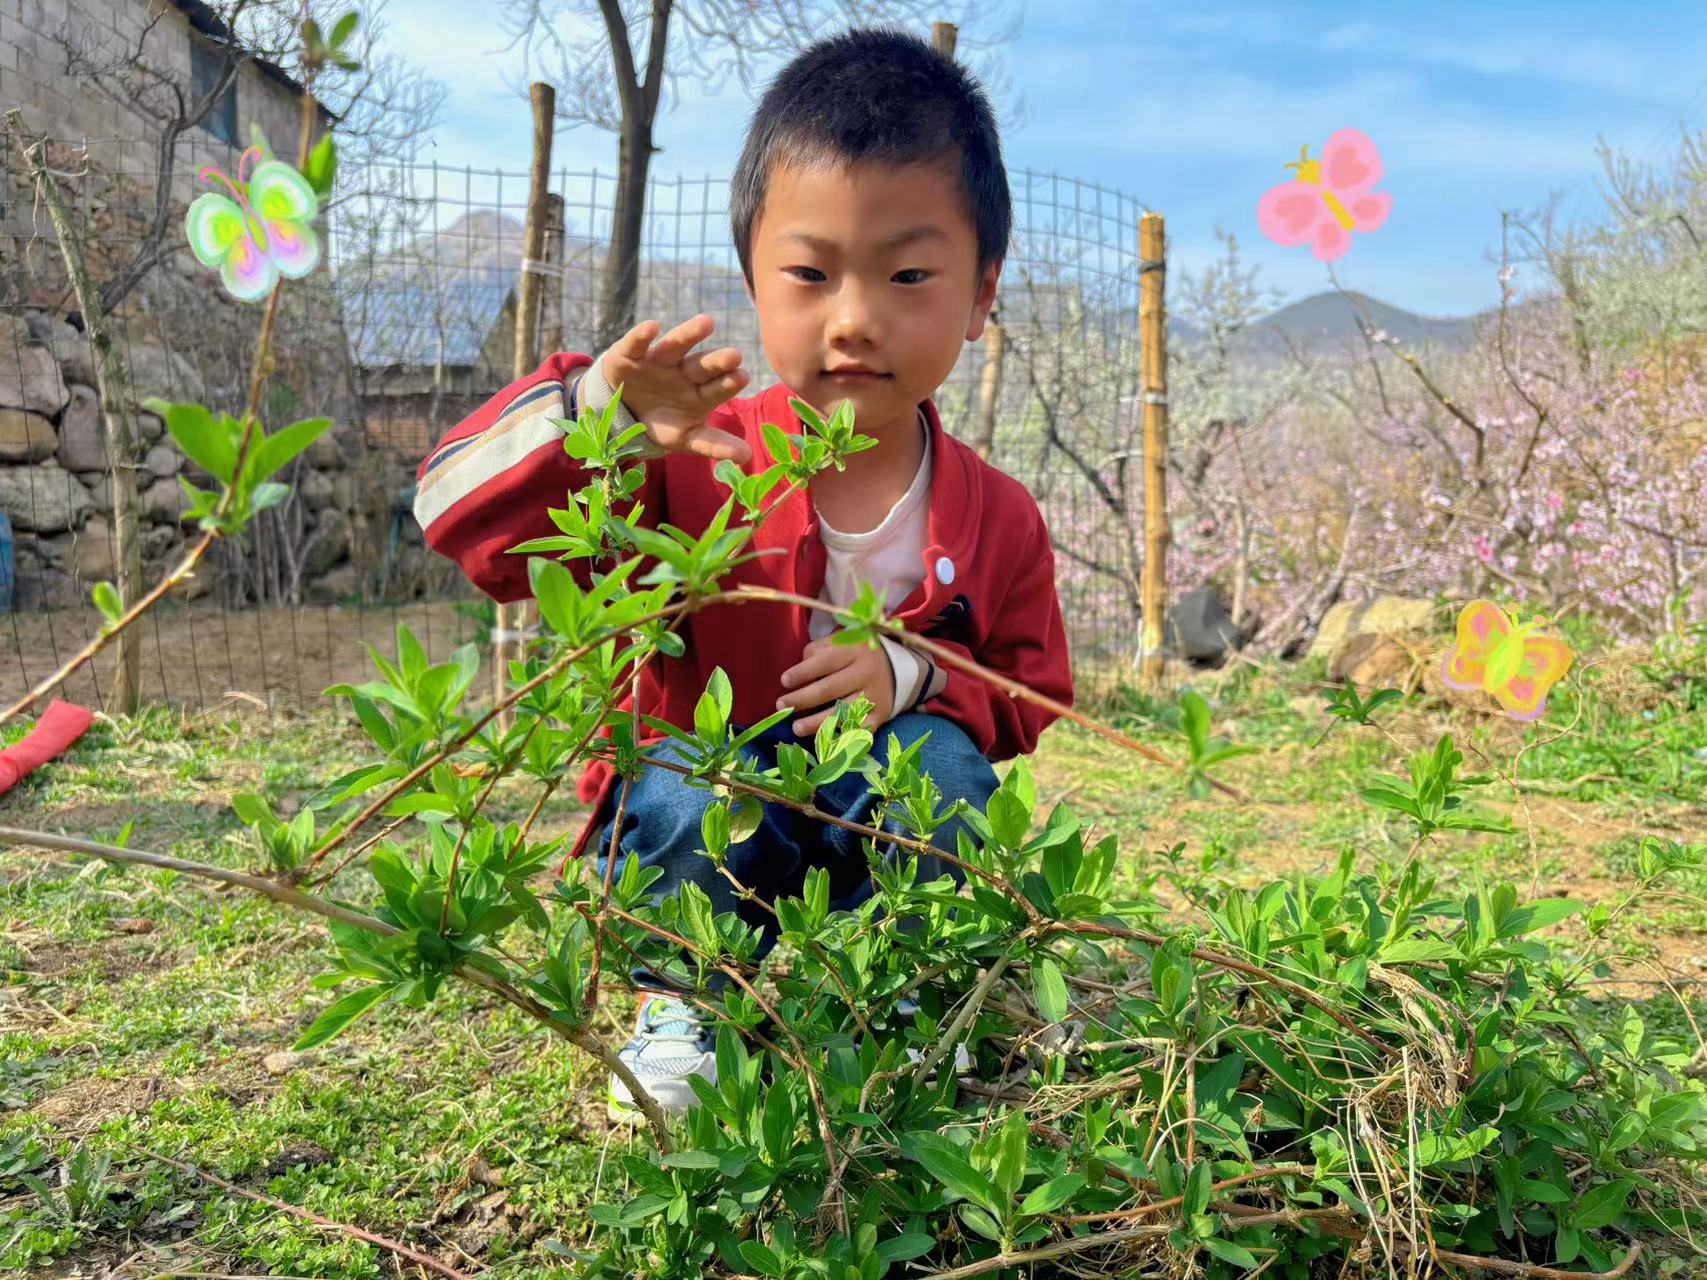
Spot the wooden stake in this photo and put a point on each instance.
(532, 287)
(1152, 329)
(943, 36)
(551, 303)
(989, 387)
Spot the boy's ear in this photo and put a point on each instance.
(982, 301)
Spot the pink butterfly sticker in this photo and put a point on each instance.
(1329, 199)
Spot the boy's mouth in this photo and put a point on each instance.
(855, 373)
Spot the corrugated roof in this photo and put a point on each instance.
(418, 322)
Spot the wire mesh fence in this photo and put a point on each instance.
(411, 326)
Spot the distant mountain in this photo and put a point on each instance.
(1335, 318)
(1328, 323)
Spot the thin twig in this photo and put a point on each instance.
(384, 1242)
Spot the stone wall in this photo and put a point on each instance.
(180, 335)
(43, 42)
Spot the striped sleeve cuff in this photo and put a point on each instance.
(596, 393)
(458, 467)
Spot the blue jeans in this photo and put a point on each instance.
(660, 826)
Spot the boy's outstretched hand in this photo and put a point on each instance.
(828, 672)
(673, 391)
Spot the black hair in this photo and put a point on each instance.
(875, 96)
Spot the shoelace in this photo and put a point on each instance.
(665, 1018)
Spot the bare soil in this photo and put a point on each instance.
(199, 656)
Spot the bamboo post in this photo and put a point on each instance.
(1153, 341)
(551, 303)
(943, 36)
(113, 386)
(989, 386)
(532, 285)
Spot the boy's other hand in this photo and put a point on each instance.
(673, 391)
(828, 672)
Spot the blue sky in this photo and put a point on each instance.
(1193, 108)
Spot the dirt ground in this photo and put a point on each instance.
(199, 656)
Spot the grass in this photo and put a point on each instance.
(140, 1013)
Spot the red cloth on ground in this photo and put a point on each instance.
(59, 726)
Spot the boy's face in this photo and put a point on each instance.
(866, 282)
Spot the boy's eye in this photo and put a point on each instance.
(810, 275)
(912, 275)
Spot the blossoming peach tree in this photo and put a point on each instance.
(1356, 1072)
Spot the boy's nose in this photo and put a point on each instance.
(853, 320)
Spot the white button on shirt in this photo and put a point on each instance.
(892, 558)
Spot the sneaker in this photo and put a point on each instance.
(671, 1043)
(905, 1008)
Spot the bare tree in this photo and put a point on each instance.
(612, 62)
(383, 107)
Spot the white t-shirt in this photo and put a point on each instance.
(892, 558)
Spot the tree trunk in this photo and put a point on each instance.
(620, 286)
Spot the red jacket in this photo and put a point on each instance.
(988, 591)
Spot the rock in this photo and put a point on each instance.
(43, 497)
(165, 502)
(1385, 615)
(344, 491)
(329, 544)
(281, 1062)
(100, 489)
(92, 553)
(1381, 661)
(46, 589)
(155, 371)
(299, 1155)
(342, 583)
(149, 426)
(162, 461)
(325, 454)
(30, 379)
(26, 436)
(1200, 628)
(82, 434)
(51, 331)
(161, 540)
(314, 490)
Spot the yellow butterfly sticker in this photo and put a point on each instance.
(1511, 662)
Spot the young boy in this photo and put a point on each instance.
(871, 213)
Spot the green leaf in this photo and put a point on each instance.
(762, 1258)
(343, 29)
(1048, 989)
(711, 713)
(270, 456)
(901, 1248)
(209, 444)
(1227, 1251)
(1600, 1206)
(1010, 1155)
(690, 1160)
(341, 1013)
(1539, 915)
(321, 171)
(1053, 1194)
(1197, 1190)
(1194, 721)
(944, 1162)
(107, 601)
